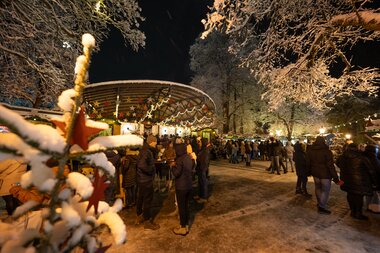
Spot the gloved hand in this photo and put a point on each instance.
(338, 181)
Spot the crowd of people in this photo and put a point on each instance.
(162, 163)
(157, 166)
(358, 166)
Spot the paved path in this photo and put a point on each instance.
(252, 211)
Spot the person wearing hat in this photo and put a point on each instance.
(145, 176)
(319, 162)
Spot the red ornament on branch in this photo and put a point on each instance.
(98, 194)
(81, 132)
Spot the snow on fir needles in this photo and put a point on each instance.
(71, 208)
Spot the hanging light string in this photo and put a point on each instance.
(182, 112)
(188, 122)
(149, 113)
(202, 122)
(368, 118)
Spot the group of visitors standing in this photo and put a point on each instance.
(359, 174)
(358, 166)
(181, 165)
(240, 151)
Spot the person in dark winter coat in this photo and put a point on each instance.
(248, 152)
(373, 202)
(203, 160)
(114, 183)
(359, 177)
(145, 175)
(371, 152)
(129, 176)
(274, 151)
(228, 148)
(319, 161)
(182, 172)
(299, 157)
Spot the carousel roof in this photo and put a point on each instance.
(150, 101)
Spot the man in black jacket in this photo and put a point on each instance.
(145, 176)
(183, 185)
(319, 162)
(359, 178)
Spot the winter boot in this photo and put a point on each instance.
(150, 225)
(140, 219)
(298, 191)
(359, 214)
(180, 231)
(196, 197)
(323, 211)
(201, 201)
(306, 194)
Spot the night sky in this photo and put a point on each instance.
(170, 27)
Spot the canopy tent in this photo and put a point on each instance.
(150, 101)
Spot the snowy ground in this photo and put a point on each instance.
(252, 211)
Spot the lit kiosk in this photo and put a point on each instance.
(152, 106)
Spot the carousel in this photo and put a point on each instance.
(157, 107)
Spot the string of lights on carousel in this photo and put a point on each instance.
(202, 122)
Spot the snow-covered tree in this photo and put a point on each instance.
(294, 118)
(304, 47)
(38, 42)
(217, 72)
(73, 211)
(349, 114)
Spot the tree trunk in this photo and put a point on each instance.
(226, 105)
(242, 114)
(37, 102)
(226, 119)
(234, 118)
(291, 122)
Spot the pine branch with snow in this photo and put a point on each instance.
(67, 219)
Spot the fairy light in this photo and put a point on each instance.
(97, 6)
(368, 118)
(153, 108)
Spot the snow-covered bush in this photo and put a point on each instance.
(73, 211)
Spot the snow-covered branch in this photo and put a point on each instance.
(287, 44)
